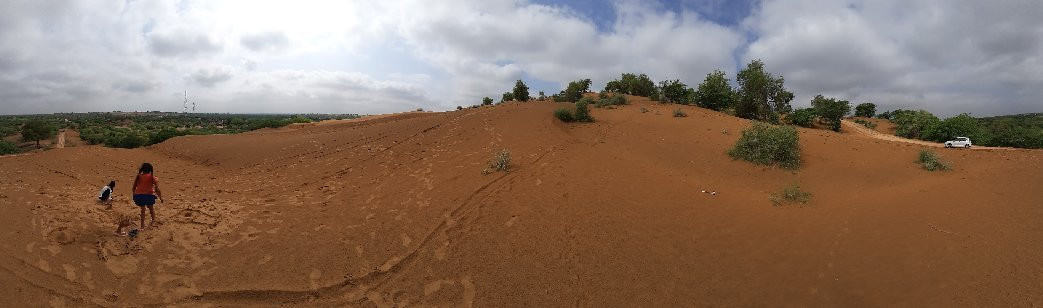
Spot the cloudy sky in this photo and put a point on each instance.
(947, 56)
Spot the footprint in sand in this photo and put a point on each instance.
(406, 240)
(264, 260)
(313, 279)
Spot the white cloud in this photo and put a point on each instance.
(245, 56)
(945, 56)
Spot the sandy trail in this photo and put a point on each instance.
(395, 211)
(865, 131)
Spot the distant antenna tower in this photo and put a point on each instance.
(184, 106)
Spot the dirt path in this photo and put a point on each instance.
(865, 131)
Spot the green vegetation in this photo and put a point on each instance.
(830, 110)
(865, 110)
(715, 93)
(791, 194)
(564, 115)
(639, 85)
(487, 101)
(521, 91)
(130, 130)
(678, 113)
(573, 92)
(914, 124)
(36, 130)
(583, 110)
(507, 96)
(768, 145)
(7, 148)
(761, 96)
(607, 99)
(582, 113)
(500, 162)
(673, 91)
(802, 117)
(931, 161)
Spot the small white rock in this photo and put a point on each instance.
(713, 193)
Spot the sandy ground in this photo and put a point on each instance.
(395, 211)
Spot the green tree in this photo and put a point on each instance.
(803, 117)
(583, 110)
(7, 147)
(36, 130)
(487, 101)
(761, 96)
(866, 110)
(507, 96)
(914, 124)
(962, 125)
(715, 93)
(674, 91)
(639, 85)
(574, 91)
(521, 91)
(831, 110)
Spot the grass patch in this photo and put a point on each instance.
(791, 194)
(768, 145)
(931, 161)
(678, 113)
(500, 162)
(8, 148)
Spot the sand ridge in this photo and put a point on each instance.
(394, 211)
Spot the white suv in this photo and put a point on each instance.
(959, 142)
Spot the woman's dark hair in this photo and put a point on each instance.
(112, 184)
(145, 168)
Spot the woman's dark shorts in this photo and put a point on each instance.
(143, 200)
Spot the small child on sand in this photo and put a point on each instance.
(105, 196)
(146, 190)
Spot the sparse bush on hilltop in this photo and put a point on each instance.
(674, 91)
(639, 85)
(507, 96)
(866, 110)
(610, 99)
(487, 101)
(791, 194)
(7, 148)
(521, 91)
(768, 145)
(931, 161)
(500, 162)
(715, 93)
(802, 117)
(830, 110)
(574, 91)
(761, 96)
(678, 113)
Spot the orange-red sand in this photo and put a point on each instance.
(395, 211)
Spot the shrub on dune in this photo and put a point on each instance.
(500, 162)
(564, 115)
(931, 161)
(768, 145)
(583, 110)
(791, 194)
(678, 113)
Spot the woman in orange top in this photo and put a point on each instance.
(146, 189)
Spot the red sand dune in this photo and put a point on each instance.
(395, 211)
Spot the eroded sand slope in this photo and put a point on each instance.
(395, 211)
